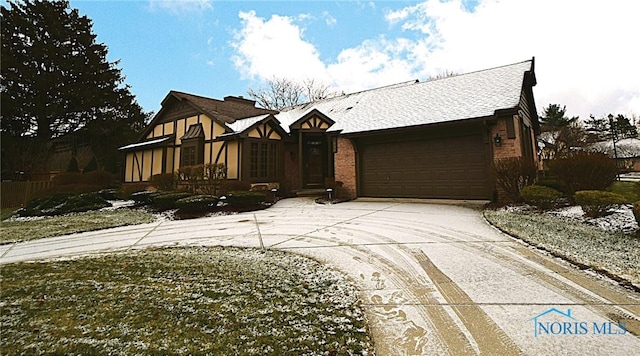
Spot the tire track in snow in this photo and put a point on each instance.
(392, 263)
(615, 306)
(594, 296)
(489, 337)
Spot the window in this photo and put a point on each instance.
(192, 149)
(263, 160)
(527, 144)
(189, 156)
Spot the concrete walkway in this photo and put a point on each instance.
(435, 278)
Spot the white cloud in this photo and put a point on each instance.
(180, 7)
(275, 48)
(328, 19)
(374, 63)
(585, 50)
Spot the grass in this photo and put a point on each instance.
(617, 254)
(36, 228)
(222, 301)
(629, 190)
(6, 213)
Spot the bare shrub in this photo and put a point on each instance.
(584, 170)
(514, 173)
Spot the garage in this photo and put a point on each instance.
(436, 167)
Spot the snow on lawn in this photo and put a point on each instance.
(18, 229)
(606, 244)
(216, 300)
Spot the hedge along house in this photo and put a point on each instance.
(434, 139)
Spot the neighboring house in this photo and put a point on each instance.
(627, 152)
(435, 139)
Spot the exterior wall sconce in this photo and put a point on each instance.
(497, 140)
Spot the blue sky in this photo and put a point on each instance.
(585, 57)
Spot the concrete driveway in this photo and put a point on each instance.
(435, 278)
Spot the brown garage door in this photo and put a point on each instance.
(449, 168)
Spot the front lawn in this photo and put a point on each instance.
(615, 253)
(217, 301)
(629, 190)
(24, 229)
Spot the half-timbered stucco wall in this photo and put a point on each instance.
(141, 164)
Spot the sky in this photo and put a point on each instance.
(585, 51)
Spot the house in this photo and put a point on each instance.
(434, 139)
(626, 152)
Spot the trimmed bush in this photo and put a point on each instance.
(542, 197)
(597, 203)
(66, 189)
(142, 197)
(163, 181)
(63, 203)
(553, 183)
(197, 203)
(234, 186)
(108, 194)
(243, 198)
(584, 170)
(167, 201)
(514, 173)
(126, 190)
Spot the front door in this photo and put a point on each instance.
(315, 160)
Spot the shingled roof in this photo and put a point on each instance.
(466, 96)
(228, 110)
(473, 95)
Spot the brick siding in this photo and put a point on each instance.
(345, 167)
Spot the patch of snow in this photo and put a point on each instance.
(117, 204)
(570, 212)
(619, 220)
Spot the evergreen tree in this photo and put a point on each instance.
(73, 165)
(560, 134)
(56, 79)
(554, 117)
(617, 128)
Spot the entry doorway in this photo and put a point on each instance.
(314, 160)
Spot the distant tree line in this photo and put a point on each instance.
(561, 134)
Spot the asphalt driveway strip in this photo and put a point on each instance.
(435, 278)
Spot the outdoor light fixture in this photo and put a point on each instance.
(497, 140)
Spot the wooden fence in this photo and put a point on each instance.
(16, 194)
